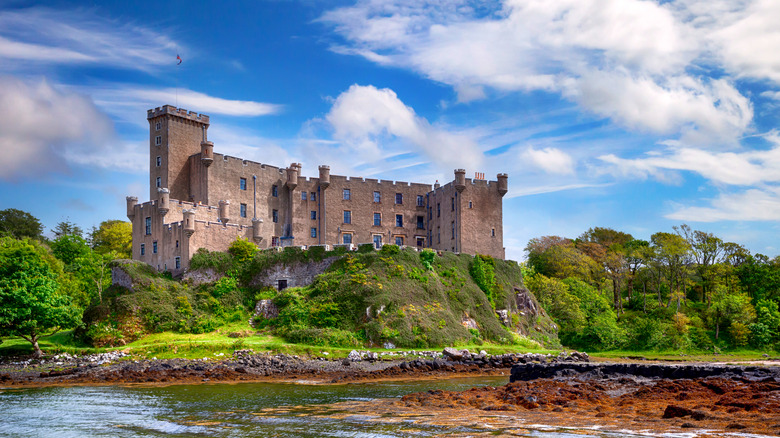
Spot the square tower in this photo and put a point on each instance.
(174, 135)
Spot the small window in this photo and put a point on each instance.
(158, 126)
(399, 240)
(399, 198)
(274, 241)
(313, 196)
(420, 242)
(347, 217)
(148, 226)
(158, 182)
(438, 209)
(346, 194)
(275, 191)
(492, 232)
(399, 220)
(154, 247)
(243, 210)
(471, 205)
(377, 197)
(313, 215)
(158, 140)
(303, 196)
(275, 216)
(242, 183)
(421, 222)
(430, 213)
(377, 219)
(143, 249)
(377, 241)
(159, 161)
(453, 204)
(438, 235)
(313, 232)
(177, 244)
(178, 262)
(346, 239)
(453, 229)
(420, 201)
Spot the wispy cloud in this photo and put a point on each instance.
(749, 205)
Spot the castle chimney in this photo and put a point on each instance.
(460, 180)
(189, 222)
(163, 201)
(224, 217)
(324, 176)
(503, 183)
(131, 203)
(292, 176)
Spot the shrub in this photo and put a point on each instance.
(739, 334)
(760, 336)
(389, 249)
(427, 256)
(242, 249)
(224, 285)
(365, 248)
(482, 270)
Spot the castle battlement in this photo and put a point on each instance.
(244, 162)
(179, 112)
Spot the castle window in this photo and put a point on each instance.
(438, 235)
(143, 249)
(158, 182)
(453, 229)
(303, 196)
(453, 204)
(148, 226)
(346, 238)
(492, 232)
(158, 140)
(346, 194)
(275, 216)
(420, 201)
(313, 196)
(399, 198)
(399, 220)
(438, 209)
(377, 219)
(430, 213)
(154, 247)
(313, 215)
(420, 222)
(242, 183)
(347, 217)
(178, 262)
(421, 242)
(399, 240)
(377, 241)
(471, 205)
(159, 161)
(313, 232)
(275, 191)
(377, 197)
(158, 126)
(274, 241)
(243, 210)
(177, 244)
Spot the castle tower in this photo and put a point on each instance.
(174, 135)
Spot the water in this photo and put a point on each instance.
(220, 410)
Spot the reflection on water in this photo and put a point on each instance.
(222, 410)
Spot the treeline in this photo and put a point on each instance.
(685, 290)
(46, 283)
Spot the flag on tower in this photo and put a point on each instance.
(179, 59)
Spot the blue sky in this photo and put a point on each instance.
(635, 115)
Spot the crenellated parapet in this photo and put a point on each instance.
(178, 112)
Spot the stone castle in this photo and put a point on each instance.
(202, 199)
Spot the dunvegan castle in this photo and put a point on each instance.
(202, 199)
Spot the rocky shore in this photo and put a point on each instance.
(247, 365)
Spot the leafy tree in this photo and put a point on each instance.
(113, 235)
(673, 252)
(69, 248)
(606, 247)
(242, 249)
(728, 308)
(30, 303)
(706, 250)
(67, 228)
(19, 224)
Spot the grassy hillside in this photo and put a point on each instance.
(365, 298)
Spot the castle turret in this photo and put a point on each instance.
(460, 180)
(131, 203)
(292, 176)
(256, 231)
(503, 183)
(324, 176)
(189, 222)
(163, 201)
(224, 215)
(206, 153)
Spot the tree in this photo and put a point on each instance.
(606, 247)
(673, 251)
(113, 235)
(706, 250)
(68, 248)
(730, 307)
(67, 228)
(30, 303)
(19, 224)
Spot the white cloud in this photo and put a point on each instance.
(550, 160)
(644, 64)
(42, 35)
(201, 102)
(750, 205)
(41, 127)
(364, 115)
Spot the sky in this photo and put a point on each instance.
(636, 115)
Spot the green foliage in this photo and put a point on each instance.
(482, 270)
(223, 286)
(242, 250)
(389, 249)
(68, 248)
(366, 248)
(113, 236)
(427, 256)
(30, 301)
(19, 224)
